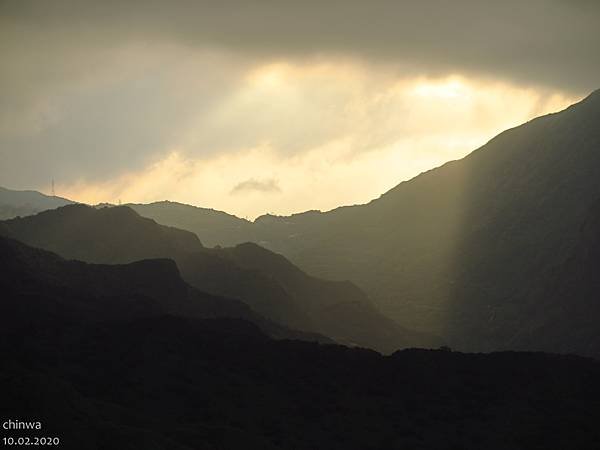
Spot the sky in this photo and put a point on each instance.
(256, 107)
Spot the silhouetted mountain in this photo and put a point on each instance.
(455, 250)
(119, 235)
(46, 285)
(24, 203)
(88, 351)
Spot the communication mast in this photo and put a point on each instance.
(53, 192)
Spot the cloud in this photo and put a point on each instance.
(269, 186)
(124, 114)
(552, 42)
(428, 122)
(98, 95)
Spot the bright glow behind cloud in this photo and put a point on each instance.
(326, 134)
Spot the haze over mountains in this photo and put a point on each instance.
(453, 304)
(465, 251)
(184, 329)
(267, 283)
(458, 250)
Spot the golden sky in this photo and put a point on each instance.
(254, 107)
(312, 135)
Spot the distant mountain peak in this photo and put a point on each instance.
(25, 203)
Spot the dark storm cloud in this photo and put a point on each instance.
(253, 185)
(552, 42)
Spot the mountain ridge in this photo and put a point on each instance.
(452, 250)
(119, 235)
(140, 289)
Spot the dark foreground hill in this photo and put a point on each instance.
(266, 282)
(112, 371)
(457, 250)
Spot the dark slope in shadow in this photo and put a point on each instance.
(106, 372)
(567, 318)
(526, 196)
